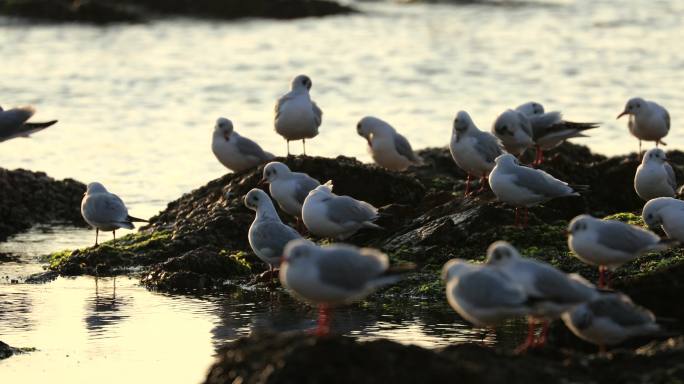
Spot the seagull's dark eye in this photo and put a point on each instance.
(649, 216)
(638, 105)
(256, 198)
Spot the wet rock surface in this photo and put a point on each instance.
(109, 11)
(28, 198)
(296, 358)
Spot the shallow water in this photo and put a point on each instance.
(137, 104)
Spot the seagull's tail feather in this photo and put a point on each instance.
(39, 126)
(136, 220)
(579, 187)
(580, 126)
(393, 274)
(664, 244)
(126, 224)
(368, 224)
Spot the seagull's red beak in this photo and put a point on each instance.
(226, 136)
(370, 143)
(622, 114)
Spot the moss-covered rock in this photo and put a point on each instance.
(295, 358)
(29, 198)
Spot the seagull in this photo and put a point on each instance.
(105, 211)
(610, 319)
(296, 115)
(610, 243)
(333, 275)
(473, 151)
(388, 148)
(235, 152)
(483, 295)
(655, 176)
(667, 213)
(267, 235)
(529, 125)
(551, 291)
(647, 120)
(327, 215)
(288, 188)
(525, 187)
(14, 123)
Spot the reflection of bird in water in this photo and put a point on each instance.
(103, 309)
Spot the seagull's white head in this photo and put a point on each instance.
(462, 124)
(255, 198)
(501, 253)
(581, 224)
(370, 125)
(508, 123)
(275, 170)
(506, 160)
(652, 213)
(298, 250)
(95, 187)
(224, 127)
(455, 268)
(633, 107)
(654, 155)
(531, 108)
(301, 82)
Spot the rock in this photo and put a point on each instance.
(7, 351)
(108, 11)
(29, 198)
(296, 358)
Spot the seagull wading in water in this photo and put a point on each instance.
(648, 120)
(388, 148)
(235, 152)
(334, 275)
(473, 151)
(297, 117)
(14, 123)
(105, 211)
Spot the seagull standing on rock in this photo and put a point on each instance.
(609, 244)
(655, 176)
(327, 215)
(288, 188)
(610, 319)
(14, 123)
(333, 275)
(514, 130)
(235, 152)
(551, 291)
(297, 117)
(525, 187)
(473, 151)
(105, 211)
(648, 120)
(667, 213)
(388, 148)
(267, 235)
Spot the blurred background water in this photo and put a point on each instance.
(137, 104)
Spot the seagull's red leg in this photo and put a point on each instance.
(467, 191)
(602, 279)
(541, 341)
(114, 234)
(526, 216)
(483, 182)
(97, 232)
(517, 217)
(304, 145)
(323, 320)
(639, 155)
(529, 340)
(608, 274)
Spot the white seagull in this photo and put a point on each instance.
(288, 188)
(609, 244)
(648, 120)
(327, 215)
(105, 211)
(551, 291)
(333, 275)
(14, 123)
(667, 213)
(610, 319)
(473, 151)
(297, 117)
(267, 235)
(514, 130)
(655, 176)
(235, 152)
(525, 187)
(388, 148)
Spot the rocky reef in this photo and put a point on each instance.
(29, 198)
(7, 351)
(109, 11)
(297, 358)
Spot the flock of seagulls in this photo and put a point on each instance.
(507, 285)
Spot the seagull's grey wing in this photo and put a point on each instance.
(556, 286)
(282, 100)
(11, 122)
(666, 116)
(488, 146)
(249, 148)
(671, 178)
(540, 182)
(540, 123)
(304, 184)
(107, 208)
(621, 310)
(404, 147)
(318, 114)
(489, 289)
(625, 238)
(345, 269)
(344, 209)
(271, 236)
(524, 124)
